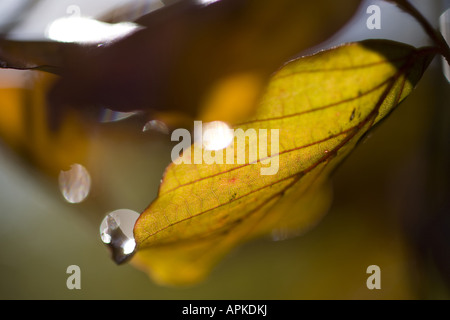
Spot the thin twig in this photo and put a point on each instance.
(434, 34)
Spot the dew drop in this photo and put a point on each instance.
(75, 183)
(206, 2)
(116, 231)
(108, 115)
(282, 234)
(84, 30)
(156, 125)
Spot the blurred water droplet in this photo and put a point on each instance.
(217, 135)
(86, 30)
(282, 234)
(156, 125)
(444, 22)
(116, 231)
(75, 183)
(206, 2)
(108, 115)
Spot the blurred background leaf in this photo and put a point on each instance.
(364, 227)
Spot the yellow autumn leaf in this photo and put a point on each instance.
(312, 115)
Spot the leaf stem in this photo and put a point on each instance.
(434, 34)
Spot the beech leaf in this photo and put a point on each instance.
(322, 105)
(184, 53)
